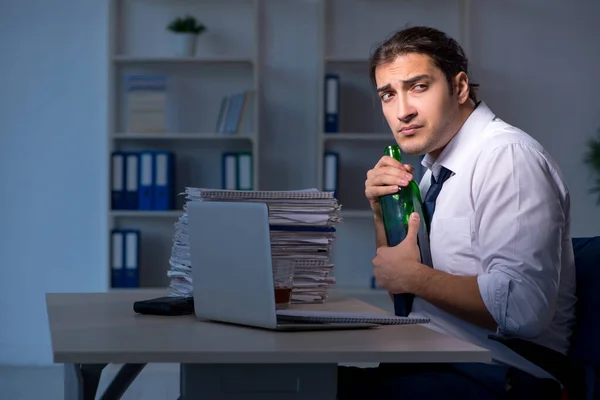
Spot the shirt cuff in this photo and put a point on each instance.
(495, 289)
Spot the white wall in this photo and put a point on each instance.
(289, 113)
(535, 60)
(52, 164)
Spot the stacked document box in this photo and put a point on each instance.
(146, 103)
(302, 228)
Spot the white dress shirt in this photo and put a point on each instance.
(504, 216)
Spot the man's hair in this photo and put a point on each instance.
(445, 52)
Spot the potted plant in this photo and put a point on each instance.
(186, 30)
(592, 159)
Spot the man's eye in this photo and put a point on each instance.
(420, 87)
(385, 96)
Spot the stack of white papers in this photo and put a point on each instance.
(302, 229)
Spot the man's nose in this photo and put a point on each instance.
(405, 111)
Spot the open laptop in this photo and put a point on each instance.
(231, 267)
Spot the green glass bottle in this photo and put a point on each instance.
(396, 209)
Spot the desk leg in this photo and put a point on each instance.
(81, 381)
(121, 382)
(258, 381)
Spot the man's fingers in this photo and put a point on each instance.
(413, 227)
(378, 191)
(388, 180)
(375, 175)
(387, 177)
(387, 161)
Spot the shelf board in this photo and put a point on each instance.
(357, 136)
(146, 214)
(182, 136)
(180, 60)
(357, 213)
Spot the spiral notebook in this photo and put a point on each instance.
(222, 194)
(346, 317)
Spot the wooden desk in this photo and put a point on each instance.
(90, 330)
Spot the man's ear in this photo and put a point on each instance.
(461, 86)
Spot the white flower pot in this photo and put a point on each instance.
(185, 44)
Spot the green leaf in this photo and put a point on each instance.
(187, 24)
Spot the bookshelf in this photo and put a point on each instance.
(349, 30)
(225, 63)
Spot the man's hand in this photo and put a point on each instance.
(385, 178)
(397, 268)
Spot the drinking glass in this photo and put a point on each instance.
(283, 277)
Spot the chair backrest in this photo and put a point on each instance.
(585, 342)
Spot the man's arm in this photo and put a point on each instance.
(457, 295)
(521, 211)
(519, 214)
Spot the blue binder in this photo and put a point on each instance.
(117, 255)
(331, 163)
(163, 180)
(332, 102)
(131, 180)
(146, 181)
(131, 245)
(244, 171)
(125, 248)
(374, 283)
(118, 180)
(229, 171)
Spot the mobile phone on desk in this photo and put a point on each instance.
(168, 305)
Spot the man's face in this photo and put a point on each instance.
(417, 103)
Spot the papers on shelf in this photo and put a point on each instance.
(302, 229)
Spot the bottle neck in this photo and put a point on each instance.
(394, 152)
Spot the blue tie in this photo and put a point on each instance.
(403, 302)
(432, 194)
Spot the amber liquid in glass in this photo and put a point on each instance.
(283, 296)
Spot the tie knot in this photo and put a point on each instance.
(442, 176)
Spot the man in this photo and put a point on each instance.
(499, 233)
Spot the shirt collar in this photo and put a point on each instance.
(456, 151)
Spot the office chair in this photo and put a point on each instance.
(579, 370)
